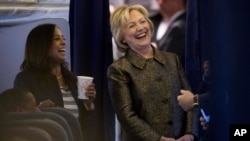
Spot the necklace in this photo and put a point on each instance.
(57, 72)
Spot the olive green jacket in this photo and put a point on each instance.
(144, 94)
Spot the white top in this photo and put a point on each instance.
(163, 27)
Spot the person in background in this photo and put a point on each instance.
(116, 52)
(170, 27)
(187, 100)
(206, 77)
(45, 73)
(145, 82)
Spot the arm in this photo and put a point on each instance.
(191, 133)
(26, 80)
(187, 99)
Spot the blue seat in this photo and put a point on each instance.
(54, 129)
(73, 122)
(24, 133)
(43, 115)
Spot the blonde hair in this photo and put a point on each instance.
(119, 19)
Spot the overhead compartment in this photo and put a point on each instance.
(21, 11)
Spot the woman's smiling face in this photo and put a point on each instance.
(58, 49)
(137, 32)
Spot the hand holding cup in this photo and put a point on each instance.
(86, 87)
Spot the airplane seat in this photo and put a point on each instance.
(73, 122)
(24, 133)
(55, 130)
(44, 116)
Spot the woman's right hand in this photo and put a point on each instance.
(46, 104)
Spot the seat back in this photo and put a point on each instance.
(43, 115)
(73, 122)
(54, 129)
(26, 133)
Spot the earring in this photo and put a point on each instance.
(124, 41)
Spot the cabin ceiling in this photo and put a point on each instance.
(20, 11)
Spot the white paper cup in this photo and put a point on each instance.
(82, 83)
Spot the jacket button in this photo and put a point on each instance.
(159, 79)
(170, 122)
(165, 101)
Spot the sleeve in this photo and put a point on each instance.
(118, 84)
(192, 124)
(21, 81)
(184, 81)
(204, 98)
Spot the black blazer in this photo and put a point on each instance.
(45, 86)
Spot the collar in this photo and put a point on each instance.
(139, 61)
(177, 14)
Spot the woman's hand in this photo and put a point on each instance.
(46, 104)
(91, 93)
(204, 124)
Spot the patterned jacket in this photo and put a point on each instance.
(144, 94)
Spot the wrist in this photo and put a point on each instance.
(195, 100)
